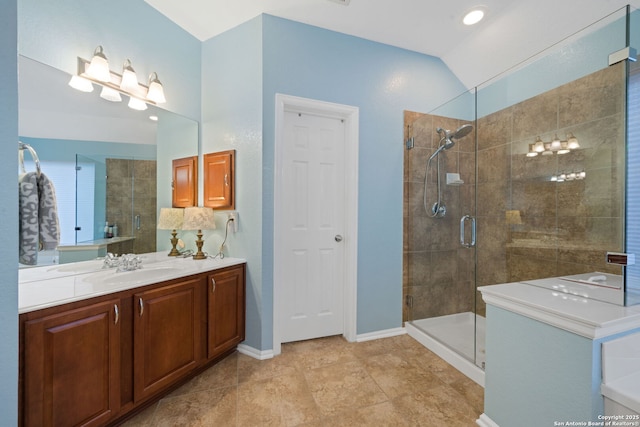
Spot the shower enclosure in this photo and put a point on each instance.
(535, 189)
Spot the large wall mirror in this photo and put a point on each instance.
(108, 163)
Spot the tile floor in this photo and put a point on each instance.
(325, 382)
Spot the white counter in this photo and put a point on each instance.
(49, 286)
(589, 318)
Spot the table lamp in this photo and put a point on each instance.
(199, 218)
(171, 219)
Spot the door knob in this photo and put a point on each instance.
(338, 238)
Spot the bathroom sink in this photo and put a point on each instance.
(144, 274)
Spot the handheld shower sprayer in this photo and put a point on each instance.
(438, 210)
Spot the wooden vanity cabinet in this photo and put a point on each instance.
(226, 310)
(95, 362)
(72, 367)
(166, 336)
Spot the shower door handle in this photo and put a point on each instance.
(463, 222)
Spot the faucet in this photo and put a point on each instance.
(127, 262)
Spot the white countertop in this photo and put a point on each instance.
(583, 316)
(49, 286)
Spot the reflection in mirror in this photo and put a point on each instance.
(108, 163)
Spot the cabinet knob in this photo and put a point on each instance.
(141, 304)
(213, 285)
(338, 238)
(117, 313)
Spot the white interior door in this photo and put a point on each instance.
(312, 226)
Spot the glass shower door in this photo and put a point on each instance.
(441, 227)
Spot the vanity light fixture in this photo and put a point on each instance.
(556, 146)
(199, 218)
(114, 84)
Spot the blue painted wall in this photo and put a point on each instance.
(243, 70)
(9, 213)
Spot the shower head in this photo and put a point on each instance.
(462, 131)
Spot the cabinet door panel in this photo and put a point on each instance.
(219, 185)
(166, 336)
(226, 306)
(185, 179)
(72, 367)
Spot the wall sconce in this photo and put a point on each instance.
(171, 219)
(199, 218)
(97, 71)
(553, 147)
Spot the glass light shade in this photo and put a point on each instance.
(532, 154)
(547, 153)
(554, 178)
(198, 218)
(129, 81)
(564, 151)
(81, 84)
(99, 66)
(572, 143)
(556, 144)
(538, 146)
(137, 104)
(170, 218)
(110, 94)
(156, 91)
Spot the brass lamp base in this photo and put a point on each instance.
(174, 242)
(199, 254)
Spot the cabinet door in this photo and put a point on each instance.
(226, 306)
(166, 336)
(219, 186)
(72, 367)
(185, 179)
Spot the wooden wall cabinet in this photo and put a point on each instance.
(184, 182)
(219, 180)
(95, 362)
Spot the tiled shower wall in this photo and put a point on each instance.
(553, 228)
(127, 179)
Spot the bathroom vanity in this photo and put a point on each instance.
(97, 345)
(543, 346)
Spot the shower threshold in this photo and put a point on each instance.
(452, 337)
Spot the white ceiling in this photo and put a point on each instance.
(512, 31)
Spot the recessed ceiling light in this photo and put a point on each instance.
(154, 118)
(342, 2)
(473, 17)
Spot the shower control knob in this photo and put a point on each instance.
(338, 238)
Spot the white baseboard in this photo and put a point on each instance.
(380, 334)
(255, 353)
(485, 421)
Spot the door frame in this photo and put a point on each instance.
(350, 115)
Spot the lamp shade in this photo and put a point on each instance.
(110, 94)
(99, 66)
(156, 91)
(129, 80)
(170, 219)
(198, 218)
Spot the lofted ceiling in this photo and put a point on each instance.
(512, 31)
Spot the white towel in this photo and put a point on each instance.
(39, 225)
